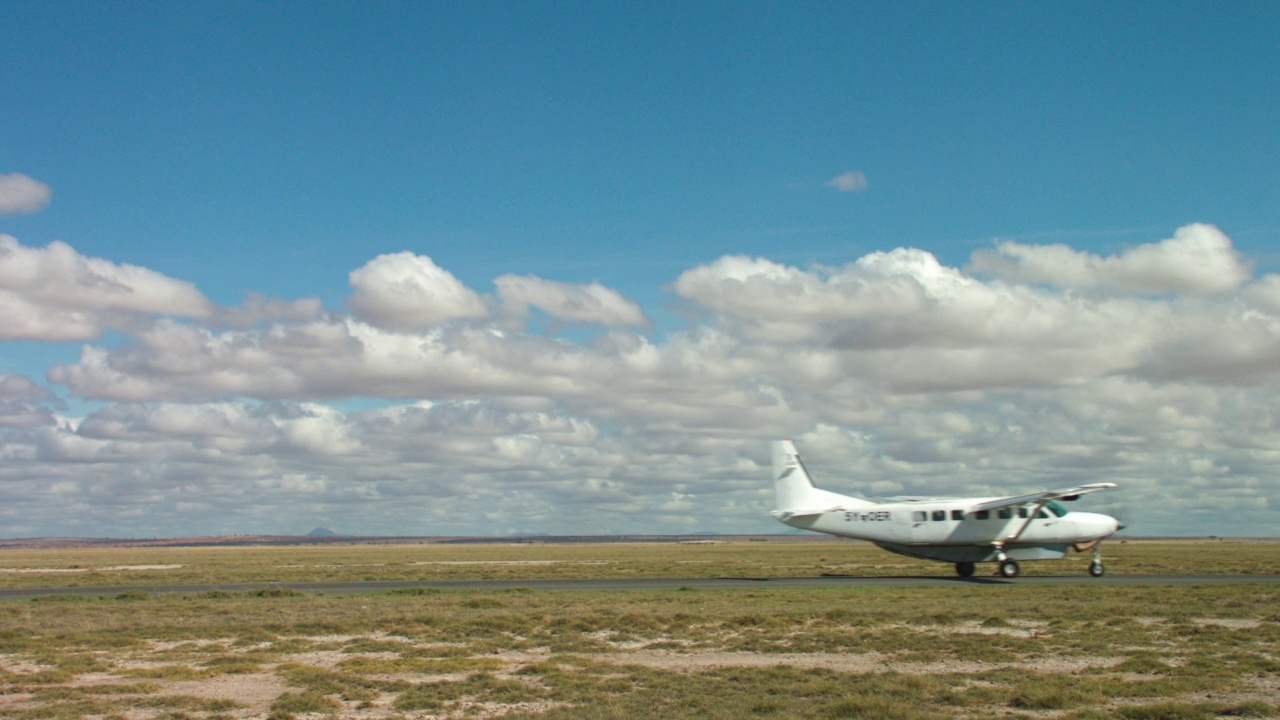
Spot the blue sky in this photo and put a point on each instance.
(275, 149)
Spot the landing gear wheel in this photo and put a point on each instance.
(964, 569)
(1009, 569)
(1095, 568)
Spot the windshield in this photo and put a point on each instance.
(1055, 508)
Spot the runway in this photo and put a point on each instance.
(650, 584)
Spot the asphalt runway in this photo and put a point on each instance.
(653, 584)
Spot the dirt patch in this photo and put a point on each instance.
(255, 690)
(1229, 623)
(510, 562)
(843, 662)
(113, 568)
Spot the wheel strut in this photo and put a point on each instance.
(1095, 566)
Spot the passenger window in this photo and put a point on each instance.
(919, 516)
(957, 514)
(1022, 512)
(1004, 513)
(982, 514)
(1042, 514)
(939, 514)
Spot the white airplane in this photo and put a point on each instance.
(963, 531)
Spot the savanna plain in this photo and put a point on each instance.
(966, 650)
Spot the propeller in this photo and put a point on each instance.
(1113, 502)
(1116, 504)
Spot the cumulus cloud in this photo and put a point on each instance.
(24, 404)
(405, 291)
(55, 293)
(899, 319)
(852, 181)
(20, 387)
(1198, 260)
(896, 373)
(593, 303)
(902, 301)
(22, 194)
(258, 308)
(1264, 294)
(420, 466)
(789, 303)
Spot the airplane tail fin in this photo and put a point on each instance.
(792, 486)
(794, 493)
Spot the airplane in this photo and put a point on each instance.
(964, 531)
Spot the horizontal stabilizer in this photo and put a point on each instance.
(785, 515)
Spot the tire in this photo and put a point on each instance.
(1095, 568)
(1009, 569)
(964, 569)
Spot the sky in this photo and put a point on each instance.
(446, 268)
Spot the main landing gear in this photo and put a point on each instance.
(1008, 566)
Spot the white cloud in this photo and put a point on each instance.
(1264, 294)
(900, 319)
(54, 293)
(896, 373)
(851, 181)
(404, 291)
(24, 404)
(1198, 260)
(19, 387)
(259, 308)
(22, 194)
(593, 303)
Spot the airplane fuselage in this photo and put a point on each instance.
(941, 530)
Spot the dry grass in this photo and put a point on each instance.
(966, 651)
(774, 558)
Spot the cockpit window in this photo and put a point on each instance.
(1055, 508)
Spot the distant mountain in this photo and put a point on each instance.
(321, 532)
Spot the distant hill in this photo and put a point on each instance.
(322, 532)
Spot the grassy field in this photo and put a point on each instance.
(970, 651)
(771, 558)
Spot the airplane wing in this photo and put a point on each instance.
(1041, 497)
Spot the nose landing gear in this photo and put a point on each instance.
(1095, 567)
